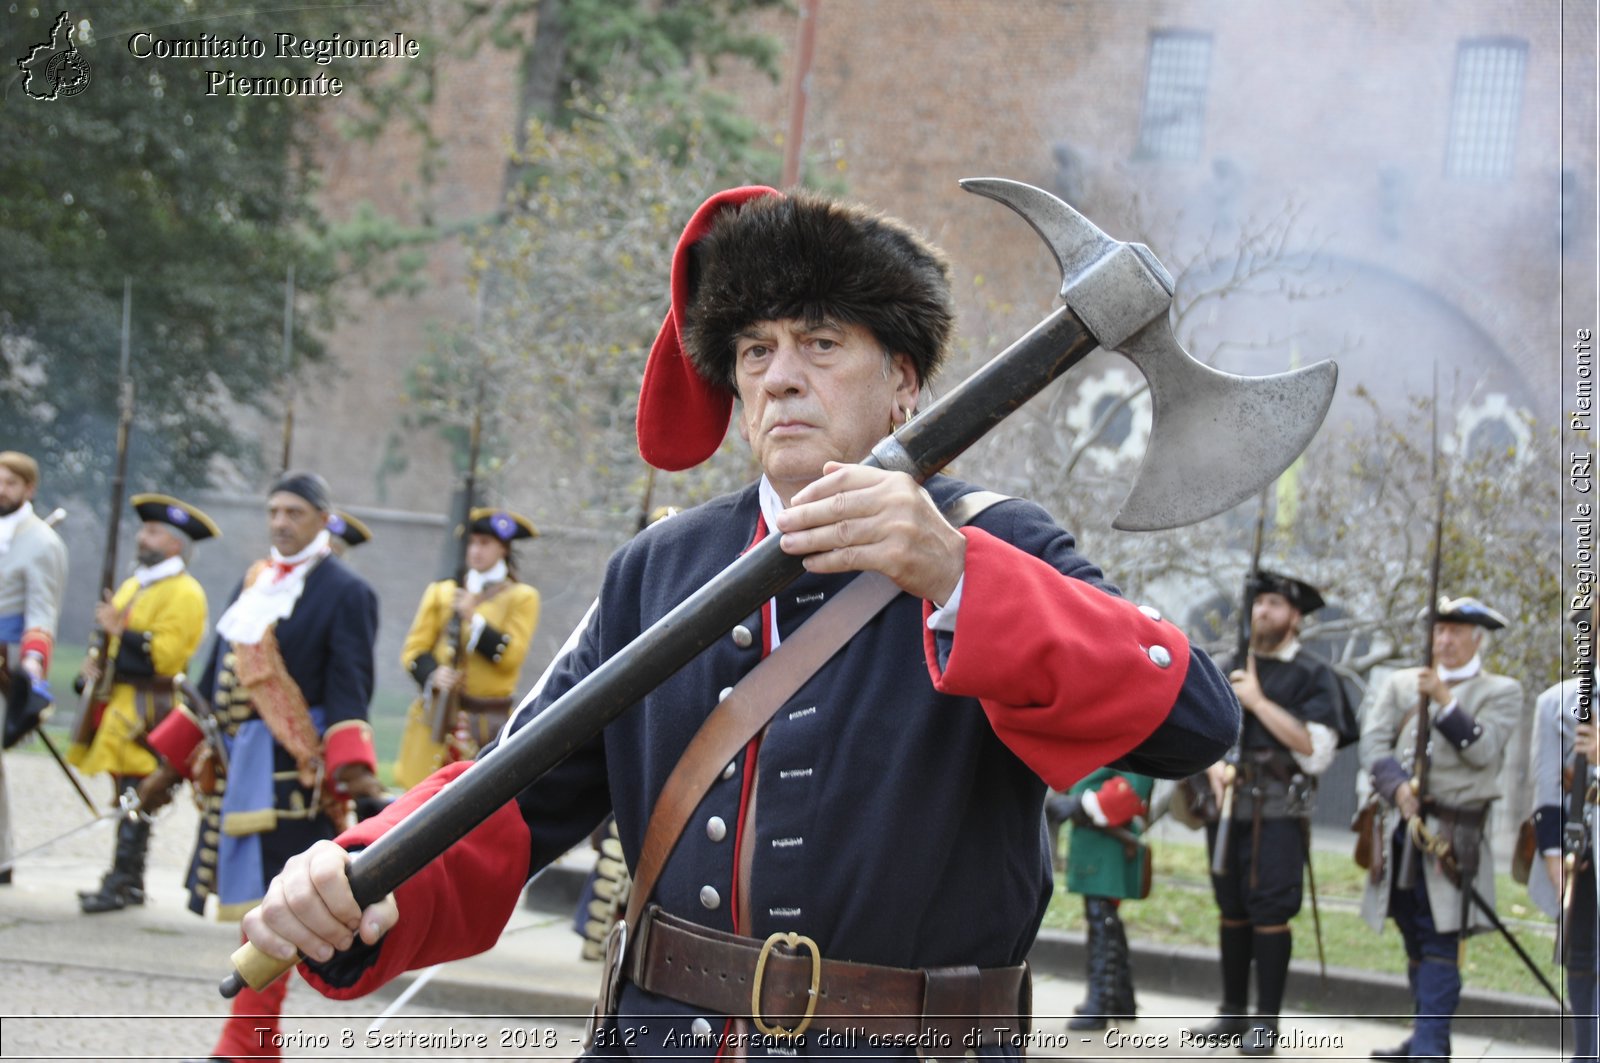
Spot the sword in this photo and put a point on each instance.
(128, 806)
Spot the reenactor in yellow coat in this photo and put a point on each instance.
(496, 616)
(154, 623)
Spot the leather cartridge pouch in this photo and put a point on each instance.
(1522, 854)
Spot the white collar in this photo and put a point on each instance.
(1466, 671)
(148, 574)
(318, 545)
(477, 581)
(771, 505)
(11, 523)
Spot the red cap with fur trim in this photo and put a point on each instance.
(682, 417)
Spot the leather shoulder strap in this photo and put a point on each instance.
(744, 712)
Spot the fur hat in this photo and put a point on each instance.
(753, 254)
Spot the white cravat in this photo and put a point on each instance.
(1466, 671)
(148, 574)
(273, 595)
(477, 581)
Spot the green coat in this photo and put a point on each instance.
(1097, 865)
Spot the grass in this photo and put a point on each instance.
(1180, 911)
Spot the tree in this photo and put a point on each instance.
(203, 200)
(571, 284)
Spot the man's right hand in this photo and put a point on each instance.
(1406, 801)
(310, 910)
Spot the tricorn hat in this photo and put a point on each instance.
(1300, 594)
(503, 524)
(181, 515)
(754, 254)
(349, 528)
(1469, 611)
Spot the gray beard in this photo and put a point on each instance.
(150, 558)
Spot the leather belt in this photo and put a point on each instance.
(787, 987)
(1453, 815)
(468, 703)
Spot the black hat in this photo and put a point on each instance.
(348, 528)
(807, 256)
(1469, 611)
(503, 524)
(308, 485)
(1300, 594)
(181, 515)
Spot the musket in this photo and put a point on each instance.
(97, 693)
(1241, 659)
(1575, 831)
(1116, 295)
(1452, 872)
(1406, 873)
(444, 704)
(288, 367)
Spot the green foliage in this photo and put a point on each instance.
(204, 201)
(573, 289)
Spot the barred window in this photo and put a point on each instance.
(1483, 113)
(1173, 124)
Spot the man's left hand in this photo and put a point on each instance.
(860, 519)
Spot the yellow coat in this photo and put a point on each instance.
(510, 616)
(166, 622)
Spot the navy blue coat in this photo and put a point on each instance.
(895, 824)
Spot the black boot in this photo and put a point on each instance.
(1121, 1004)
(1092, 1012)
(1235, 941)
(123, 885)
(1271, 957)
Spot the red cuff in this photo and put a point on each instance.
(348, 742)
(37, 640)
(1071, 677)
(458, 904)
(175, 737)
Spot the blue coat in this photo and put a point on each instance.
(899, 822)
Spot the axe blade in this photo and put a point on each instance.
(1216, 438)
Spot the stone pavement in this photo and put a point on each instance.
(140, 984)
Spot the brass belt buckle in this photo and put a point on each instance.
(794, 941)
